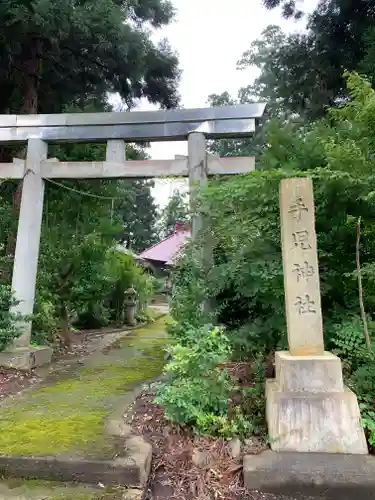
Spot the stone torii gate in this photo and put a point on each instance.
(116, 128)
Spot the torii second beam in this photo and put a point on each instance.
(54, 169)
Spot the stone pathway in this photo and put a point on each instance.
(159, 308)
(67, 416)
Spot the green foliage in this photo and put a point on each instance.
(72, 276)
(243, 215)
(176, 210)
(368, 417)
(77, 233)
(246, 280)
(348, 342)
(138, 212)
(44, 45)
(198, 391)
(302, 72)
(46, 320)
(188, 292)
(146, 286)
(362, 381)
(8, 326)
(289, 7)
(43, 48)
(123, 273)
(359, 368)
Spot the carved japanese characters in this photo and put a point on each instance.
(301, 271)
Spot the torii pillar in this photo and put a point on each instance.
(197, 165)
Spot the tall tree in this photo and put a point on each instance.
(176, 210)
(303, 72)
(237, 147)
(138, 213)
(96, 46)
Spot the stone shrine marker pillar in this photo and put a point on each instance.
(308, 407)
(301, 273)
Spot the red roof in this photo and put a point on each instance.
(167, 250)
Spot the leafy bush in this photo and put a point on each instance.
(45, 321)
(359, 367)
(197, 391)
(95, 316)
(254, 397)
(72, 279)
(188, 293)
(348, 342)
(362, 381)
(8, 321)
(159, 285)
(146, 286)
(247, 279)
(368, 418)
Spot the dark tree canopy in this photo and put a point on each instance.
(289, 7)
(97, 46)
(304, 71)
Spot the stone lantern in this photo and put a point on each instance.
(130, 303)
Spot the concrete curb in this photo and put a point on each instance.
(335, 476)
(130, 469)
(119, 472)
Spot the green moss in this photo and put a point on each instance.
(48, 435)
(68, 416)
(31, 484)
(87, 496)
(52, 490)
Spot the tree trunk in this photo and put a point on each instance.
(31, 82)
(32, 73)
(65, 332)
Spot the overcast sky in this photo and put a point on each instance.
(210, 36)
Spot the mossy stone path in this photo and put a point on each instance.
(66, 416)
(45, 490)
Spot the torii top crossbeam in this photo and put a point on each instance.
(171, 125)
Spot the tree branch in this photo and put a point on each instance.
(360, 289)
(85, 57)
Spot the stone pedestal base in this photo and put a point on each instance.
(25, 358)
(310, 410)
(130, 315)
